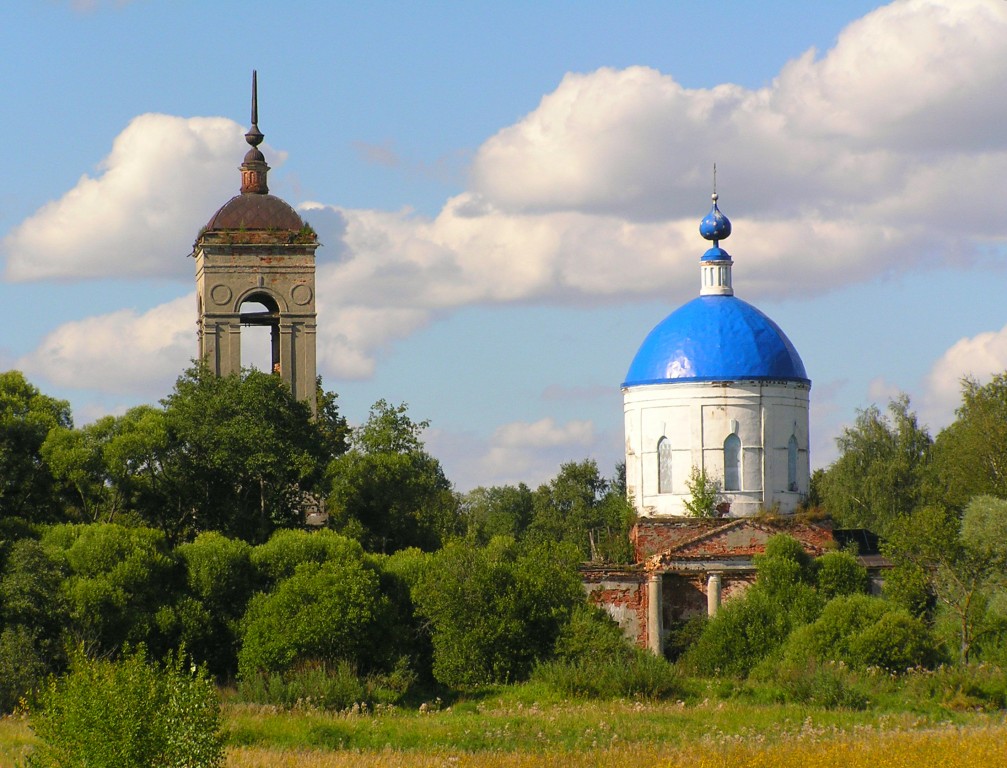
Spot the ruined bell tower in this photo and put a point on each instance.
(255, 266)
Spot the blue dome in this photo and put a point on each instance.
(715, 338)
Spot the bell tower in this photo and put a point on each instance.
(256, 250)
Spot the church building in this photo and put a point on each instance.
(717, 391)
(717, 388)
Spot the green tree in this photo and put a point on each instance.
(704, 494)
(219, 581)
(582, 507)
(26, 417)
(880, 475)
(387, 491)
(120, 586)
(33, 614)
(493, 613)
(501, 510)
(963, 562)
(324, 612)
(247, 451)
(970, 455)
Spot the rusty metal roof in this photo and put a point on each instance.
(254, 211)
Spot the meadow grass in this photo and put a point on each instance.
(526, 726)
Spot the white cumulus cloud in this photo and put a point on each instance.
(140, 214)
(123, 352)
(978, 357)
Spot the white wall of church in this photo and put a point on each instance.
(696, 418)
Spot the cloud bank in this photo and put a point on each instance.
(861, 161)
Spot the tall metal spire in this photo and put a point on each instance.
(254, 168)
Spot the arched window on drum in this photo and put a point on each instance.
(732, 463)
(664, 465)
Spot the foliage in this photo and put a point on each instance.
(318, 685)
(128, 714)
(753, 627)
(495, 612)
(581, 507)
(33, 616)
(971, 454)
(505, 510)
(962, 561)
(118, 580)
(387, 491)
(827, 685)
(881, 471)
(219, 580)
(863, 631)
(591, 635)
(248, 449)
(636, 674)
(705, 494)
(76, 459)
(327, 612)
(278, 558)
(26, 418)
(839, 573)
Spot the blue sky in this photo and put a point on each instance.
(508, 195)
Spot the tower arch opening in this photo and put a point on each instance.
(260, 332)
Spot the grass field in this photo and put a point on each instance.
(512, 730)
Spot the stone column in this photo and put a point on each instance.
(654, 600)
(713, 585)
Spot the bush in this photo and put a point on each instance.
(750, 628)
(279, 557)
(839, 573)
(328, 613)
(863, 632)
(641, 675)
(317, 685)
(591, 635)
(494, 612)
(128, 714)
(830, 686)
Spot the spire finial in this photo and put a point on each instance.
(253, 170)
(715, 197)
(254, 135)
(255, 115)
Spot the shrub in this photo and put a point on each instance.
(830, 686)
(279, 557)
(494, 612)
(751, 628)
(863, 632)
(128, 714)
(311, 684)
(640, 674)
(591, 634)
(319, 685)
(325, 612)
(839, 573)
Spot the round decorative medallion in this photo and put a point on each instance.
(301, 294)
(221, 294)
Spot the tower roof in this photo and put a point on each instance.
(255, 208)
(716, 336)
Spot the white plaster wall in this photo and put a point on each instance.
(697, 417)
